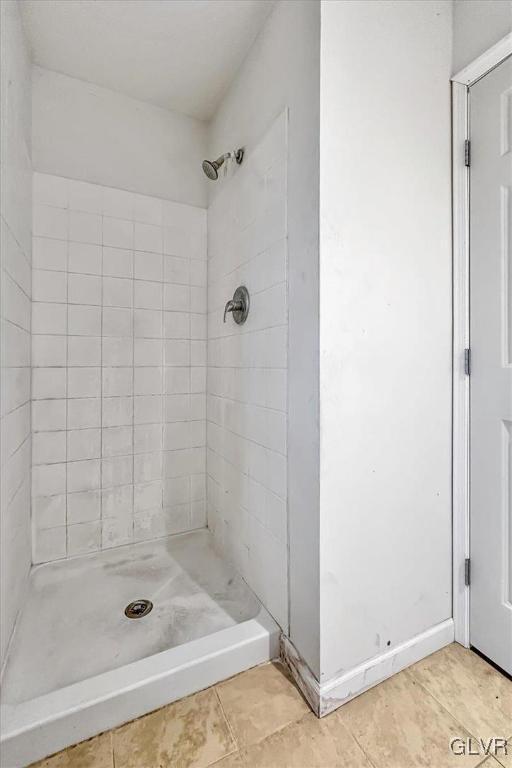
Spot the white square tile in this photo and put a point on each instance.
(117, 262)
(49, 286)
(49, 318)
(177, 407)
(117, 292)
(83, 475)
(147, 496)
(117, 441)
(197, 433)
(178, 270)
(177, 380)
(117, 351)
(118, 233)
(148, 266)
(177, 490)
(176, 325)
(85, 258)
(197, 487)
(48, 383)
(197, 299)
(48, 479)
(198, 352)
(50, 190)
(117, 382)
(177, 435)
(85, 227)
(117, 411)
(84, 289)
(84, 538)
(84, 320)
(117, 322)
(118, 203)
(83, 506)
(84, 351)
(198, 326)
(147, 323)
(198, 272)
(50, 222)
(49, 351)
(147, 238)
(147, 467)
(84, 444)
(147, 409)
(176, 297)
(49, 511)
(148, 352)
(117, 470)
(147, 438)
(84, 412)
(177, 352)
(148, 295)
(198, 379)
(85, 197)
(148, 209)
(50, 544)
(48, 415)
(84, 382)
(116, 531)
(48, 448)
(148, 381)
(117, 501)
(49, 254)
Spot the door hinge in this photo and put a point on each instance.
(467, 571)
(467, 362)
(467, 153)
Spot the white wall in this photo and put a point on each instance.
(119, 377)
(282, 70)
(82, 131)
(477, 25)
(15, 276)
(385, 326)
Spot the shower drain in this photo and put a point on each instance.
(138, 609)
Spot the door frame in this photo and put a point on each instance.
(461, 83)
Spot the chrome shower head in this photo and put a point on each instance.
(211, 167)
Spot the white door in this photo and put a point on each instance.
(491, 365)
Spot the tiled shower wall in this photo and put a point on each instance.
(247, 370)
(118, 367)
(15, 281)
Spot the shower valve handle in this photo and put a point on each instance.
(238, 305)
(232, 306)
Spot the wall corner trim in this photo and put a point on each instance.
(325, 697)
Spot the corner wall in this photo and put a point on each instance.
(385, 327)
(282, 71)
(15, 275)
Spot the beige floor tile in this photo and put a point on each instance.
(192, 733)
(308, 743)
(478, 696)
(260, 702)
(399, 725)
(95, 753)
(506, 760)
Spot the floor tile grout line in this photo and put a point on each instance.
(228, 721)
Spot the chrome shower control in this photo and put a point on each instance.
(238, 305)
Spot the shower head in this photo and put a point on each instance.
(211, 167)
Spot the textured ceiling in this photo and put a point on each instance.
(178, 54)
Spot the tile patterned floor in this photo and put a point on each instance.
(259, 720)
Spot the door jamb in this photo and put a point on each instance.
(461, 83)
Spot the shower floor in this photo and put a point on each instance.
(73, 626)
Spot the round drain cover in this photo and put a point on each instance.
(138, 609)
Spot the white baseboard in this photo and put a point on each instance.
(331, 694)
